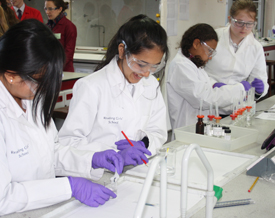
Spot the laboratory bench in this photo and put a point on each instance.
(68, 81)
(263, 193)
(86, 59)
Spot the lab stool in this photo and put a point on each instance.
(60, 113)
(271, 77)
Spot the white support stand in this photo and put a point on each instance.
(184, 181)
(147, 185)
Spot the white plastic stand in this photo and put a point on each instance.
(184, 178)
(147, 185)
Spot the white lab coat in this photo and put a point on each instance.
(31, 157)
(186, 85)
(102, 107)
(247, 63)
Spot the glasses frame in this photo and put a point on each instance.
(143, 67)
(130, 59)
(242, 23)
(32, 84)
(211, 52)
(50, 9)
(33, 80)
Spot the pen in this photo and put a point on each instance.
(234, 203)
(254, 183)
(269, 111)
(132, 145)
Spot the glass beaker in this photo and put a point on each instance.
(170, 159)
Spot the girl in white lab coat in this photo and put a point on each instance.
(240, 56)
(188, 83)
(122, 95)
(30, 154)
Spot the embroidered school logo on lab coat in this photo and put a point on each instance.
(21, 151)
(113, 120)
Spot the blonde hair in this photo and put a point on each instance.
(3, 22)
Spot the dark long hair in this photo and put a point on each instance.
(139, 33)
(30, 48)
(60, 3)
(201, 31)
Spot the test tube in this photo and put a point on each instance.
(200, 107)
(210, 124)
(217, 131)
(217, 109)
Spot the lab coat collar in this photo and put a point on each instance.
(118, 82)
(8, 103)
(248, 40)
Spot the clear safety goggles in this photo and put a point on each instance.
(208, 50)
(238, 23)
(32, 84)
(50, 9)
(140, 67)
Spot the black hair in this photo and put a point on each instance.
(60, 3)
(30, 48)
(139, 33)
(201, 31)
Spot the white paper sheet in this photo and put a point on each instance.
(226, 166)
(172, 17)
(124, 205)
(184, 9)
(266, 116)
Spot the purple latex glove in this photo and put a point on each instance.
(246, 85)
(123, 144)
(259, 85)
(89, 193)
(108, 159)
(134, 155)
(218, 85)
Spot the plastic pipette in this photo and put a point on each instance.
(217, 117)
(200, 107)
(211, 115)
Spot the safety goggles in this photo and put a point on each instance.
(141, 67)
(208, 50)
(50, 9)
(32, 84)
(237, 23)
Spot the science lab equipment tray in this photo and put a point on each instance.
(240, 137)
